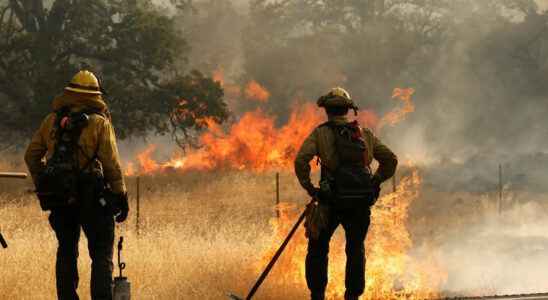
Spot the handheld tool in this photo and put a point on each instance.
(13, 175)
(3, 242)
(272, 261)
(121, 286)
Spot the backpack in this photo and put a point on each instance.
(349, 185)
(57, 184)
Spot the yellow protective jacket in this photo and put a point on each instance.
(96, 139)
(321, 143)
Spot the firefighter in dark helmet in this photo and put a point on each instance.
(347, 190)
(81, 182)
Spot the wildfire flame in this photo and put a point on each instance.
(396, 116)
(390, 272)
(256, 92)
(218, 75)
(252, 142)
(191, 113)
(147, 164)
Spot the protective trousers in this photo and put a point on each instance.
(355, 224)
(99, 230)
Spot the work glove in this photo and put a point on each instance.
(376, 188)
(316, 216)
(124, 207)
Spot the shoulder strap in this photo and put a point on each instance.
(94, 157)
(62, 111)
(90, 111)
(72, 145)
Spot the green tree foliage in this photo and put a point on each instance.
(132, 47)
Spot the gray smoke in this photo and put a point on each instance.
(484, 252)
(479, 69)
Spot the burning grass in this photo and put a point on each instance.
(206, 233)
(391, 273)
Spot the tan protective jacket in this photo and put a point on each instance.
(97, 138)
(321, 143)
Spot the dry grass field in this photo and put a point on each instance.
(198, 238)
(202, 234)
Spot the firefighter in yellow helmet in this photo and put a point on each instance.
(346, 193)
(81, 182)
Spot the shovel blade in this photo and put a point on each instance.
(234, 296)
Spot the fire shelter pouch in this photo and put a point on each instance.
(353, 187)
(54, 185)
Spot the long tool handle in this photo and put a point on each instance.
(13, 175)
(275, 258)
(3, 242)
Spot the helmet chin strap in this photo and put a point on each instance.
(355, 108)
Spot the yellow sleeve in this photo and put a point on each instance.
(37, 149)
(386, 158)
(107, 154)
(308, 150)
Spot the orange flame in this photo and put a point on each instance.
(148, 165)
(129, 170)
(252, 143)
(183, 112)
(218, 75)
(256, 92)
(396, 116)
(390, 272)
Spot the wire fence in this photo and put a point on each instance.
(189, 212)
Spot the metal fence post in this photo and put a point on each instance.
(138, 196)
(277, 195)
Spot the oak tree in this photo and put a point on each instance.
(132, 47)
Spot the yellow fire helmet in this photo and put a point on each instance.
(85, 82)
(336, 97)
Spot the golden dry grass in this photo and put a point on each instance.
(199, 235)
